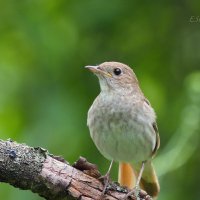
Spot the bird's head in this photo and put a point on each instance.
(115, 76)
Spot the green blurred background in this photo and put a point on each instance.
(45, 92)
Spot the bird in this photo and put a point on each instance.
(122, 125)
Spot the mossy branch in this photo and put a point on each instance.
(51, 177)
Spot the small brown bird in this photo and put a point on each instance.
(122, 125)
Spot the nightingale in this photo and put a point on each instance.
(122, 125)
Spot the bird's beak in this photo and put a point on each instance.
(98, 70)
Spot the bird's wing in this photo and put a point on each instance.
(155, 128)
(157, 138)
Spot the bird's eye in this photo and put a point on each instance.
(117, 71)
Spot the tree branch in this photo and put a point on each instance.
(51, 177)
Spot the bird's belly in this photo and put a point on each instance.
(123, 141)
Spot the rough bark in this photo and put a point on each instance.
(51, 177)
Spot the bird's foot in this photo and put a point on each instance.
(105, 180)
(135, 192)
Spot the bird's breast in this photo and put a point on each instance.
(119, 131)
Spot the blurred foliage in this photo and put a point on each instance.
(46, 92)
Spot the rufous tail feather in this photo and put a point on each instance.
(126, 176)
(149, 181)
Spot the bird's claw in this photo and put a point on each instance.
(105, 180)
(134, 192)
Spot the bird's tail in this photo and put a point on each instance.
(149, 181)
(126, 175)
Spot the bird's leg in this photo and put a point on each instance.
(136, 188)
(106, 178)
